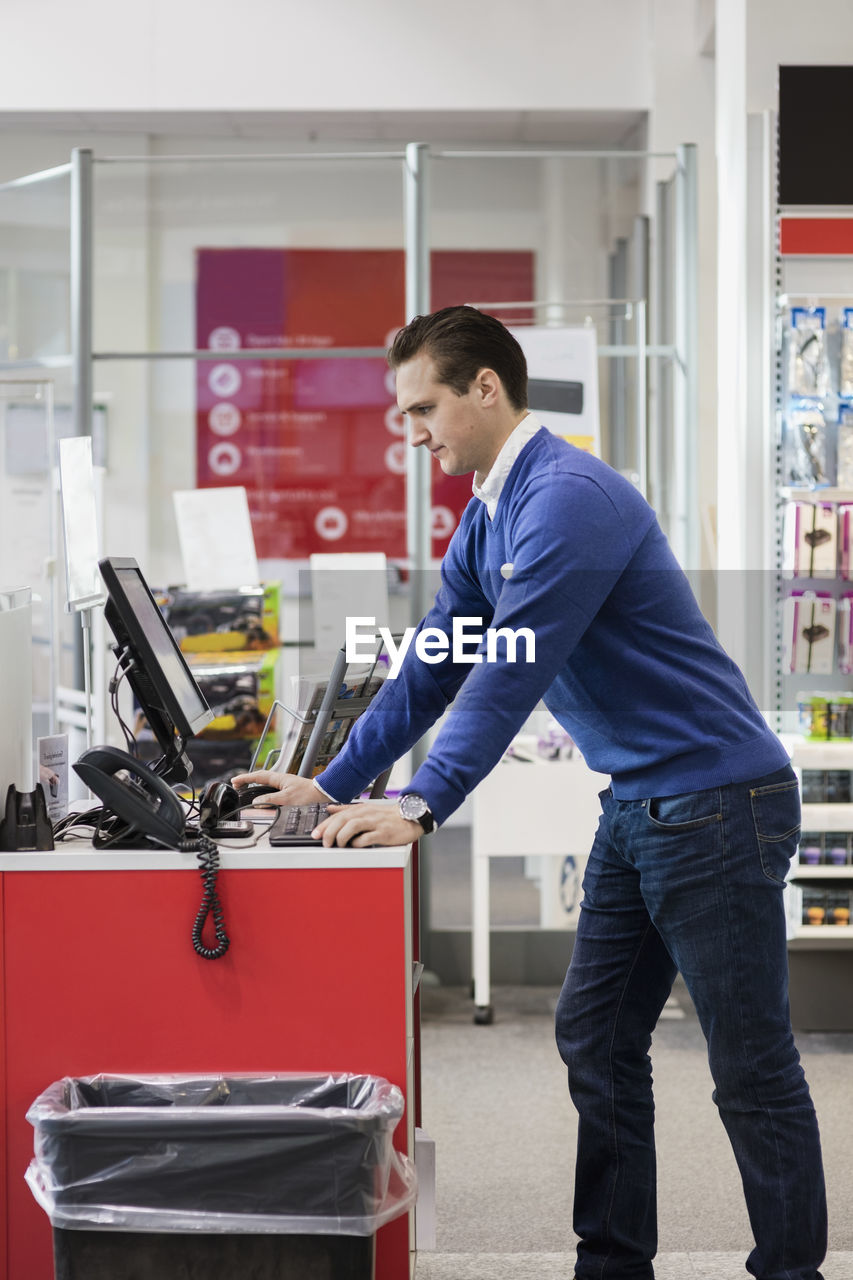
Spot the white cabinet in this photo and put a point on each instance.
(820, 889)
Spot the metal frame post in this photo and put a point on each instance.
(81, 290)
(418, 461)
(764, 515)
(81, 353)
(661, 332)
(684, 531)
(640, 289)
(418, 480)
(642, 443)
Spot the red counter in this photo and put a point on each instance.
(98, 975)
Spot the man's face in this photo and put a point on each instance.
(451, 426)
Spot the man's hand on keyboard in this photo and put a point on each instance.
(291, 789)
(370, 822)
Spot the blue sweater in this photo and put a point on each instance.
(624, 659)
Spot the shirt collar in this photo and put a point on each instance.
(490, 490)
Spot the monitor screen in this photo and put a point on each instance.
(157, 671)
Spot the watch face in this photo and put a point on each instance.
(413, 806)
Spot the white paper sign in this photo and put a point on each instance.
(562, 370)
(24, 530)
(80, 522)
(217, 543)
(347, 585)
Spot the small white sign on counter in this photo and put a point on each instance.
(53, 773)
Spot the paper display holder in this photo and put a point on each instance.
(332, 708)
(80, 522)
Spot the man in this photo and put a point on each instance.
(698, 826)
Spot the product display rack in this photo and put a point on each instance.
(820, 889)
(832, 821)
(812, 269)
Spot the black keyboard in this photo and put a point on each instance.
(295, 822)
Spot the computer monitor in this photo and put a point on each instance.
(156, 670)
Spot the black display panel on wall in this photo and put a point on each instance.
(814, 108)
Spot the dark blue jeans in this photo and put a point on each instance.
(690, 883)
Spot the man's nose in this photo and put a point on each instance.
(418, 434)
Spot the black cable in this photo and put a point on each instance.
(208, 859)
(107, 829)
(72, 821)
(116, 831)
(193, 804)
(119, 674)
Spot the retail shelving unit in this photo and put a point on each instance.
(814, 281)
(832, 822)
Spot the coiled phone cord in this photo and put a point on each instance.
(208, 860)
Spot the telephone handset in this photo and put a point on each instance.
(134, 793)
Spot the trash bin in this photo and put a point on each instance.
(279, 1176)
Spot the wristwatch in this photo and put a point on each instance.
(415, 809)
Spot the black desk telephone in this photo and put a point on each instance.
(147, 806)
(134, 793)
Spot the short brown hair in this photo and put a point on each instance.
(462, 341)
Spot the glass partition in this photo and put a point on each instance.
(35, 269)
(567, 232)
(247, 257)
(153, 216)
(28, 526)
(35, 407)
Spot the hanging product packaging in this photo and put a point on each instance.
(806, 453)
(809, 632)
(845, 541)
(808, 366)
(844, 476)
(810, 540)
(845, 635)
(845, 373)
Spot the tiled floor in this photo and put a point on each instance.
(496, 1105)
(556, 1266)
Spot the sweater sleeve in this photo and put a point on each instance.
(407, 706)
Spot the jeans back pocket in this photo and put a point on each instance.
(776, 819)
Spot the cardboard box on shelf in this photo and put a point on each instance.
(222, 621)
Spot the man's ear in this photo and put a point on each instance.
(488, 386)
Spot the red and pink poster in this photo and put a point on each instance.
(319, 445)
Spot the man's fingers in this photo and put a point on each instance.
(342, 828)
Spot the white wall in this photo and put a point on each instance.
(329, 55)
(684, 112)
(483, 55)
(786, 33)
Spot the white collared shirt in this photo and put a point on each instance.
(490, 490)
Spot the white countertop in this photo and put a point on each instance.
(82, 857)
(78, 855)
